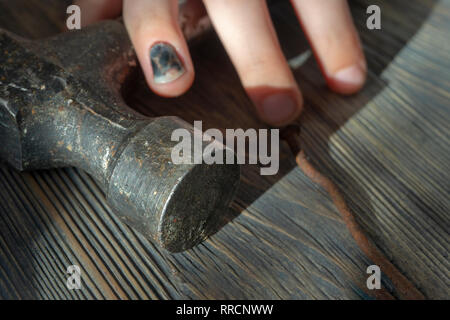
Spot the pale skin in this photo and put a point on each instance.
(248, 35)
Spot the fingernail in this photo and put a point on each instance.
(166, 64)
(353, 75)
(278, 107)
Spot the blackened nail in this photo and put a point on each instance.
(166, 64)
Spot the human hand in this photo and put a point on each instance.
(247, 33)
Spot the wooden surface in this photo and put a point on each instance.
(387, 149)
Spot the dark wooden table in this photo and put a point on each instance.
(387, 148)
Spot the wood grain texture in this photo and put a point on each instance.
(387, 148)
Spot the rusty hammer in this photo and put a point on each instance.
(61, 105)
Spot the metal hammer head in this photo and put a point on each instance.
(61, 105)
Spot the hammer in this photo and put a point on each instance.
(61, 105)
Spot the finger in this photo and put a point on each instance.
(332, 34)
(247, 33)
(159, 44)
(193, 18)
(96, 10)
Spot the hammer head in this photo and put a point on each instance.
(179, 205)
(61, 105)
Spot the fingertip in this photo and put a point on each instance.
(160, 46)
(172, 89)
(335, 42)
(276, 106)
(348, 80)
(168, 72)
